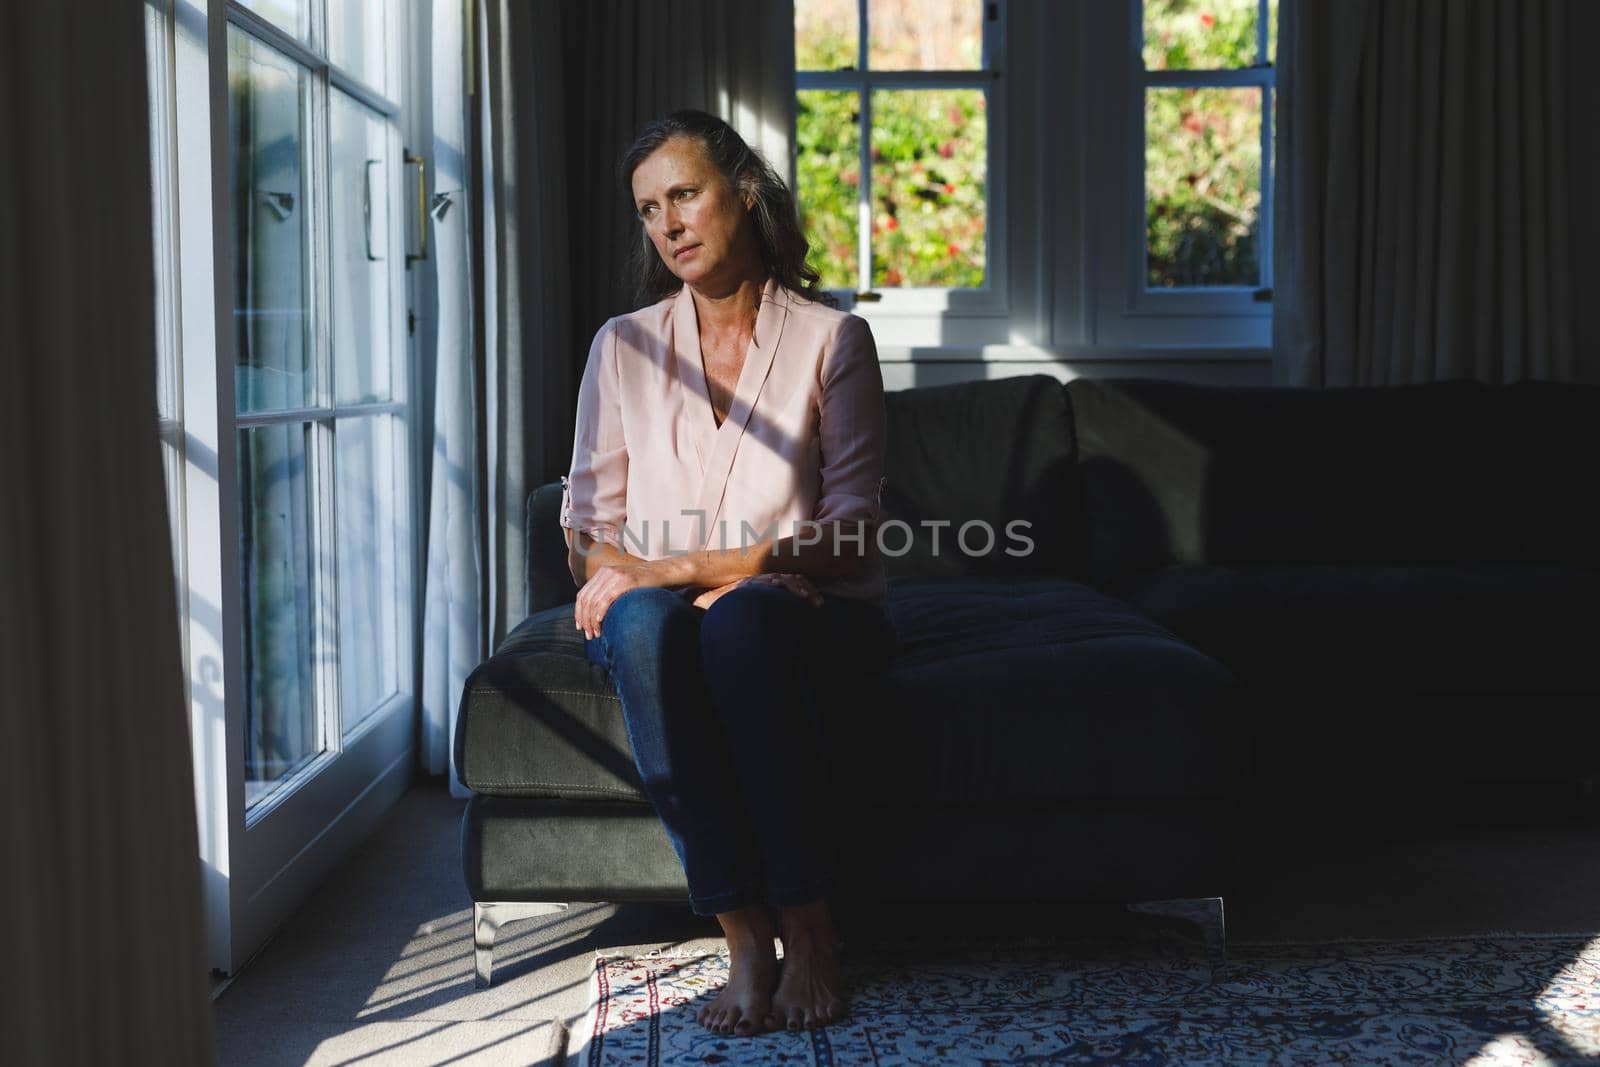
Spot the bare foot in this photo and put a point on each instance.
(811, 990)
(744, 1003)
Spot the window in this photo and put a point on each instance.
(896, 137)
(318, 383)
(1177, 181)
(1207, 80)
(284, 405)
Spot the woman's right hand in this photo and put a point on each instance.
(798, 584)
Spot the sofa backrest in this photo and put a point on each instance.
(1443, 472)
(986, 452)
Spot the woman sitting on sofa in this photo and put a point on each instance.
(720, 516)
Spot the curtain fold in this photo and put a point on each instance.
(1422, 215)
(452, 631)
(107, 960)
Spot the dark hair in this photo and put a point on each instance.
(777, 222)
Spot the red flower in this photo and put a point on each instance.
(1194, 123)
(1207, 19)
(893, 277)
(947, 149)
(951, 249)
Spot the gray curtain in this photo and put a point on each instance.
(566, 87)
(452, 629)
(105, 954)
(1423, 208)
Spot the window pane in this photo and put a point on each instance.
(291, 15)
(1199, 34)
(827, 34)
(276, 555)
(360, 234)
(1202, 185)
(925, 34)
(929, 212)
(828, 135)
(267, 142)
(356, 36)
(367, 504)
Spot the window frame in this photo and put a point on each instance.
(1127, 313)
(1215, 299)
(259, 861)
(926, 306)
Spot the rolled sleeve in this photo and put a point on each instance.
(852, 427)
(595, 489)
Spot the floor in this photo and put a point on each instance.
(377, 966)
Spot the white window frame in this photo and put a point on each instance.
(1125, 313)
(260, 861)
(912, 312)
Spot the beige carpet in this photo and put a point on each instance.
(377, 967)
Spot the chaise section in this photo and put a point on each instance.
(1040, 690)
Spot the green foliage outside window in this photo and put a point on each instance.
(1202, 146)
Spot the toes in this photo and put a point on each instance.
(796, 1018)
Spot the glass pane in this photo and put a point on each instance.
(828, 133)
(356, 36)
(291, 15)
(276, 556)
(929, 176)
(359, 206)
(1199, 34)
(272, 240)
(1202, 185)
(367, 506)
(925, 34)
(827, 34)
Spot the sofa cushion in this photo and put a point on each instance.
(998, 690)
(992, 451)
(1040, 690)
(1440, 473)
(1473, 626)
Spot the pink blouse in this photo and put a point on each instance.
(803, 439)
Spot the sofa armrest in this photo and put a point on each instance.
(548, 580)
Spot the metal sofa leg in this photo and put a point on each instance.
(1204, 912)
(486, 922)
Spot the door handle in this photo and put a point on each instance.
(422, 208)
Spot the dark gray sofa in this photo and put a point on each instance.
(1243, 606)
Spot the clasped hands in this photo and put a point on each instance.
(612, 580)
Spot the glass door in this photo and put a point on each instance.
(288, 172)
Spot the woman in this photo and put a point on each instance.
(720, 514)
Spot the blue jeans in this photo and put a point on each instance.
(724, 709)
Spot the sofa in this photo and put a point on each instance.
(1239, 612)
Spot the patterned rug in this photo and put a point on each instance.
(1510, 999)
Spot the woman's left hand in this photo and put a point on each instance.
(608, 583)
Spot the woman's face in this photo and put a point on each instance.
(701, 228)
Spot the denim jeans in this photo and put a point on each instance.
(724, 710)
